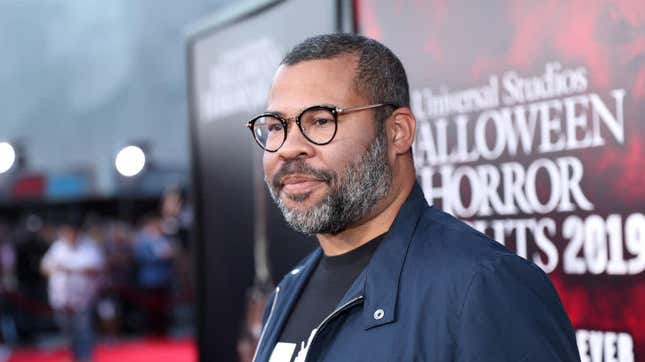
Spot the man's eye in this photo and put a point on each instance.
(320, 122)
(275, 127)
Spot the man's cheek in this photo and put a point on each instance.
(269, 172)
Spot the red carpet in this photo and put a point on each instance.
(144, 350)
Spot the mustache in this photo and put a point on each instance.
(300, 167)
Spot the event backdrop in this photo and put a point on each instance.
(531, 126)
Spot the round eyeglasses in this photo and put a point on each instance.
(317, 123)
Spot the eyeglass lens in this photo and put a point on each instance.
(269, 132)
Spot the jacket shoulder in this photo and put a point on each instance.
(453, 251)
(455, 238)
(445, 251)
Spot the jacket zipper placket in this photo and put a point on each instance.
(333, 315)
(266, 325)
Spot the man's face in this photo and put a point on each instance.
(325, 189)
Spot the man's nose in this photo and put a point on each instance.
(296, 145)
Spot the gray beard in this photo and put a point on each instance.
(352, 196)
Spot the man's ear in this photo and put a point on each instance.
(400, 127)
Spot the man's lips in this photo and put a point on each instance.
(298, 184)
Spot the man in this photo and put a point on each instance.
(73, 264)
(393, 279)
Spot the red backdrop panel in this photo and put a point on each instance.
(531, 126)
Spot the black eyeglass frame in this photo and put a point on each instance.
(335, 111)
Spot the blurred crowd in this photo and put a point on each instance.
(67, 273)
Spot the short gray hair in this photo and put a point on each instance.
(380, 76)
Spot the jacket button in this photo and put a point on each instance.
(379, 314)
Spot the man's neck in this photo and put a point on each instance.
(372, 226)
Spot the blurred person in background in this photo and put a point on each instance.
(32, 237)
(177, 216)
(7, 259)
(73, 265)
(8, 333)
(154, 255)
(176, 222)
(115, 301)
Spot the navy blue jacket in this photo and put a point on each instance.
(434, 290)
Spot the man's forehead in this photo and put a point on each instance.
(313, 82)
(338, 68)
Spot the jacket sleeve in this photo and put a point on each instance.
(511, 312)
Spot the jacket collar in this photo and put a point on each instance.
(379, 282)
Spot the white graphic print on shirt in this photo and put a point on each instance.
(283, 352)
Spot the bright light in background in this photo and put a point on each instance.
(7, 156)
(130, 161)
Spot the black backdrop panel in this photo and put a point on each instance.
(231, 61)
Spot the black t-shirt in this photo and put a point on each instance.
(326, 286)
